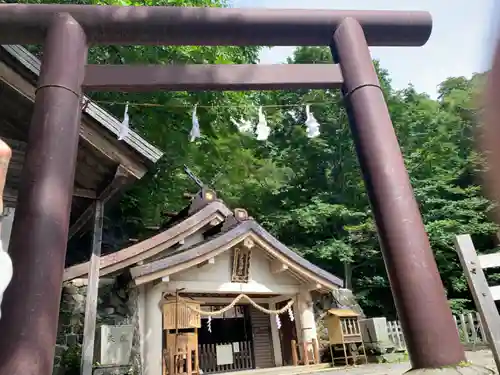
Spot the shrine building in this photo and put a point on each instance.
(214, 286)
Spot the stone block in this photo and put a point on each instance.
(71, 340)
(70, 289)
(375, 331)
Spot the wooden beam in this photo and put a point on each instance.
(480, 292)
(208, 261)
(11, 195)
(228, 287)
(89, 131)
(489, 260)
(120, 179)
(276, 266)
(84, 193)
(315, 287)
(202, 77)
(495, 292)
(92, 293)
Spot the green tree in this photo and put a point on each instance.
(324, 213)
(307, 192)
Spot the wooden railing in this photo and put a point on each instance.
(242, 357)
(305, 353)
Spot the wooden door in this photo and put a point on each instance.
(287, 333)
(261, 337)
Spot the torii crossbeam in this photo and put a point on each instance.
(39, 235)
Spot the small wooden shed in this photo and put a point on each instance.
(180, 325)
(344, 334)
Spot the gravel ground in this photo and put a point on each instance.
(481, 358)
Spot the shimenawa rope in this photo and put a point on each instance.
(233, 303)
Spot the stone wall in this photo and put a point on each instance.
(117, 305)
(339, 298)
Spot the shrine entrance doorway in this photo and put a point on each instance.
(225, 341)
(287, 334)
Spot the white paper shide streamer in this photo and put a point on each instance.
(311, 124)
(244, 126)
(5, 272)
(278, 321)
(195, 129)
(209, 324)
(124, 126)
(290, 314)
(262, 131)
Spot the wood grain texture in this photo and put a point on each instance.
(89, 326)
(262, 340)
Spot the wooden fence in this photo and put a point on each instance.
(242, 357)
(396, 334)
(469, 326)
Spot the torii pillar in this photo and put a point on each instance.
(28, 327)
(426, 318)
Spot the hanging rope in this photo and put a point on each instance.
(144, 104)
(233, 303)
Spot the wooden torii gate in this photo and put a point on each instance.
(39, 235)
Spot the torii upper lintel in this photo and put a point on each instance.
(28, 24)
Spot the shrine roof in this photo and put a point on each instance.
(30, 69)
(105, 164)
(202, 213)
(233, 232)
(221, 229)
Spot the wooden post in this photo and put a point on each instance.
(316, 351)
(171, 362)
(295, 357)
(480, 292)
(189, 356)
(305, 350)
(92, 292)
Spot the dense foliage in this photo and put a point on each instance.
(308, 192)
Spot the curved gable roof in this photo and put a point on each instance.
(153, 245)
(224, 241)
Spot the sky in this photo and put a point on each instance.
(461, 42)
